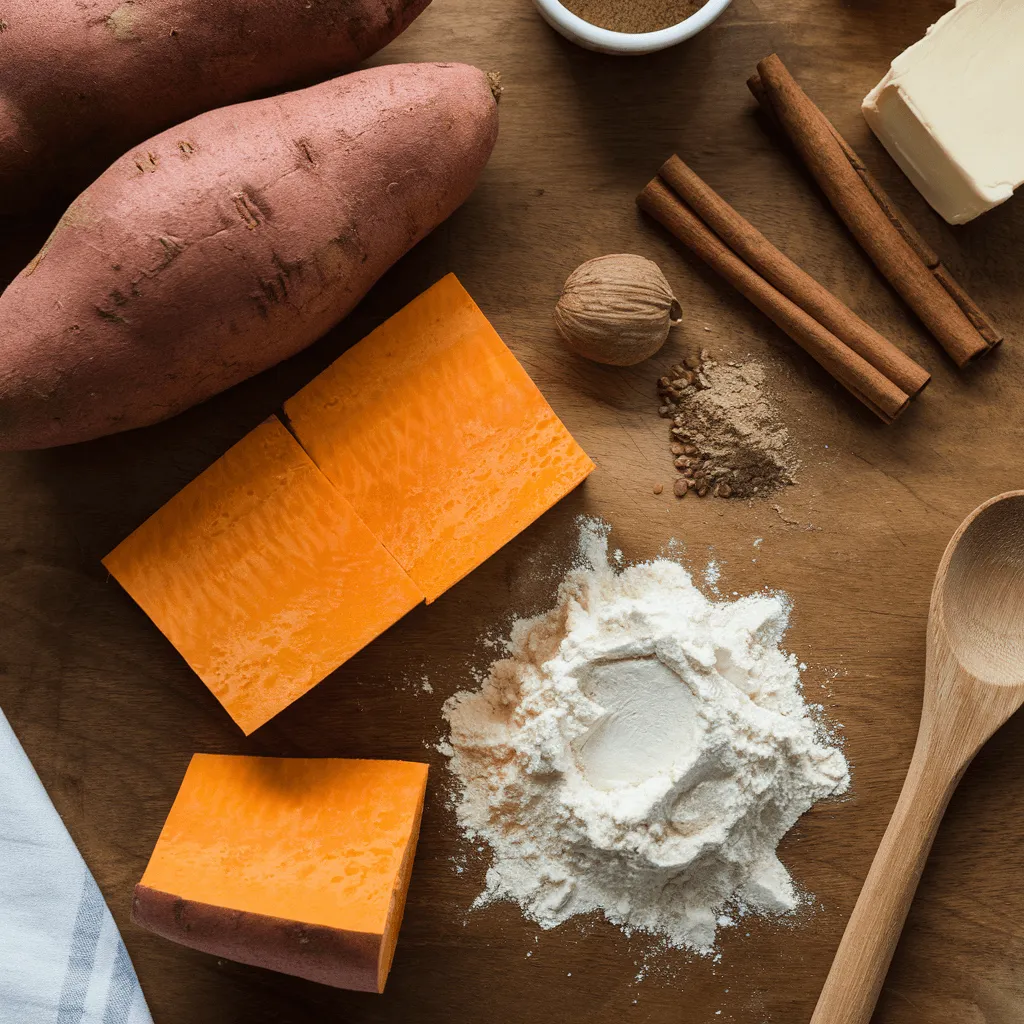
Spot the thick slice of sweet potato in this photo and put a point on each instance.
(222, 246)
(489, 457)
(82, 82)
(263, 576)
(298, 865)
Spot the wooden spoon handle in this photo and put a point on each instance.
(862, 960)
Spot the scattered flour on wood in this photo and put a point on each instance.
(640, 751)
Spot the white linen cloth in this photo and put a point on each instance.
(62, 960)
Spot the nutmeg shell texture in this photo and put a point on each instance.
(616, 309)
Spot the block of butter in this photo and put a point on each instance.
(951, 109)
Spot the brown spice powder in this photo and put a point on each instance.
(725, 437)
(634, 15)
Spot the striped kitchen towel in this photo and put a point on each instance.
(62, 960)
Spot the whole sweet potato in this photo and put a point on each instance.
(82, 81)
(230, 242)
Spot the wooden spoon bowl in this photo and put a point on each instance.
(974, 681)
(982, 599)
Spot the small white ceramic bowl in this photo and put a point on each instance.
(605, 41)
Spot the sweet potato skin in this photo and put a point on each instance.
(332, 957)
(81, 82)
(227, 244)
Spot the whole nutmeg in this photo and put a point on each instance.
(616, 309)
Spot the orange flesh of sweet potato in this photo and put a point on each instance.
(267, 573)
(490, 455)
(294, 864)
(82, 82)
(219, 248)
(262, 576)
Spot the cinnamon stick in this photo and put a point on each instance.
(754, 249)
(816, 142)
(854, 372)
(991, 334)
(888, 207)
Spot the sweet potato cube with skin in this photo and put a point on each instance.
(298, 865)
(438, 437)
(263, 576)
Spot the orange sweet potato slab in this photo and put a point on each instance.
(438, 437)
(298, 865)
(263, 576)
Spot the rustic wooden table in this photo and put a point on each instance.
(110, 714)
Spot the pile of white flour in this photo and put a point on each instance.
(640, 752)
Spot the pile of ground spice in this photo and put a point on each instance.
(634, 15)
(726, 438)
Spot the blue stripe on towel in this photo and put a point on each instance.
(123, 986)
(88, 923)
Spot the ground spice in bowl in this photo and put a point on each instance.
(633, 15)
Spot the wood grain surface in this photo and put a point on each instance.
(110, 714)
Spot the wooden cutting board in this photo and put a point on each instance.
(110, 714)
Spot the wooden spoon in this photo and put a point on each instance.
(974, 681)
